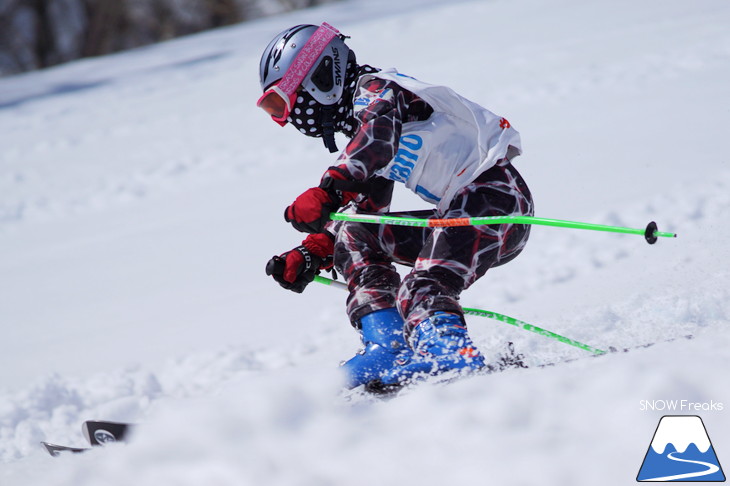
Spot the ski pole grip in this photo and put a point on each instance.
(650, 233)
(275, 266)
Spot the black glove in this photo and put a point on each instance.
(294, 269)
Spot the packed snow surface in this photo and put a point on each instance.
(142, 193)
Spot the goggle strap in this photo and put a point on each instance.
(306, 58)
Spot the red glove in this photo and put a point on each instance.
(296, 268)
(310, 212)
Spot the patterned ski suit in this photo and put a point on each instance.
(452, 153)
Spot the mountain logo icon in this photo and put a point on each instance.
(681, 451)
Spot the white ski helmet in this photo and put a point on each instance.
(326, 78)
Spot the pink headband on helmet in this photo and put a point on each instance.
(306, 58)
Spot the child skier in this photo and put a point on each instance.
(450, 151)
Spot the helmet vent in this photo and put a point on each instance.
(323, 76)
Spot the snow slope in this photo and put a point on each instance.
(141, 195)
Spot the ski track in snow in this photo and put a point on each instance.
(141, 130)
(53, 407)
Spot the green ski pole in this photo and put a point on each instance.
(529, 327)
(494, 315)
(650, 233)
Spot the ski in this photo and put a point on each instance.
(97, 433)
(100, 432)
(505, 361)
(56, 450)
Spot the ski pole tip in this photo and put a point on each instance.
(652, 233)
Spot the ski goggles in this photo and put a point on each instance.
(278, 100)
(277, 103)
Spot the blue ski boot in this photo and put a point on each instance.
(441, 344)
(384, 348)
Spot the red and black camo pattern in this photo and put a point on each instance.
(379, 125)
(444, 261)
